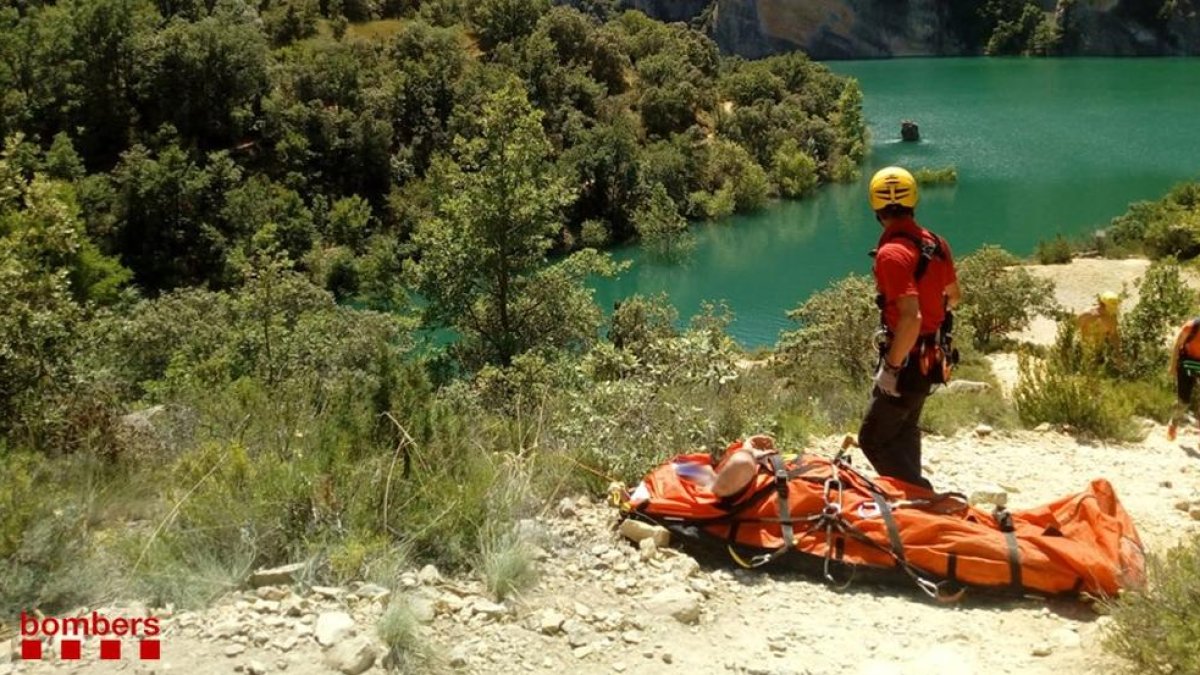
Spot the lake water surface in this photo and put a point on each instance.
(1042, 146)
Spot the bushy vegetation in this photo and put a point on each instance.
(1097, 388)
(1158, 628)
(1057, 251)
(946, 175)
(1000, 296)
(1169, 227)
(225, 228)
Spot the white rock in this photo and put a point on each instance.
(429, 575)
(329, 592)
(458, 657)
(233, 650)
(983, 431)
(990, 494)
(276, 576)
(1043, 427)
(422, 609)
(550, 622)
(255, 668)
(648, 549)
(271, 593)
(332, 627)
(637, 531)
(680, 604)
(488, 608)
(566, 507)
(1067, 638)
(632, 637)
(351, 657)
(687, 566)
(373, 592)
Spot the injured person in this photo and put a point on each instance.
(736, 469)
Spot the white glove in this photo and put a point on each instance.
(887, 378)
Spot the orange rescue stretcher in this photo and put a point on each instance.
(813, 513)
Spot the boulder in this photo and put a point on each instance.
(637, 531)
(677, 603)
(351, 657)
(332, 627)
(909, 131)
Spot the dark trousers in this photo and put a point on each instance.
(889, 435)
(1185, 382)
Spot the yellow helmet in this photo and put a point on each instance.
(892, 185)
(1109, 299)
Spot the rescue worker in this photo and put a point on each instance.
(917, 284)
(1098, 326)
(1185, 366)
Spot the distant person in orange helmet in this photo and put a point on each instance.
(917, 287)
(1185, 367)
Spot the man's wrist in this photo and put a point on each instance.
(887, 364)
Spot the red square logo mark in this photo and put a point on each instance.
(31, 650)
(149, 650)
(110, 650)
(69, 650)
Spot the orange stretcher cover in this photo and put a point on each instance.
(1082, 542)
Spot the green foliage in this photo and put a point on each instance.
(662, 229)
(1158, 627)
(1164, 301)
(1168, 227)
(1057, 251)
(1047, 392)
(1000, 296)
(949, 411)
(400, 631)
(793, 170)
(482, 265)
(498, 21)
(836, 330)
(947, 175)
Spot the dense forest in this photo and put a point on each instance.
(222, 225)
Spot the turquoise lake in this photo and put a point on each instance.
(1042, 146)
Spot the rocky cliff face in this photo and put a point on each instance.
(836, 29)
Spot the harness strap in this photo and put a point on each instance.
(885, 511)
(1004, 520)
(786, 522)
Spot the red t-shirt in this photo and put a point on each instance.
(895, 275)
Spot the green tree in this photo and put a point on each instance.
(171, 232)
(203, 78)
(499, 21)
(1000, 296)
(662, 229)
(482, 259)
(793, 170)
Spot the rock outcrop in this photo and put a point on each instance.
(844, 29)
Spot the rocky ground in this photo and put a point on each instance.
(603, 605)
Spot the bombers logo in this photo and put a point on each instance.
(68, 632)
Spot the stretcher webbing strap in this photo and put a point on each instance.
(885, 511)
(786, 521)
(1005, 522)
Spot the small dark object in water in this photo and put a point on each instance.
(909, 131)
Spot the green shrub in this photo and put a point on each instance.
(1057, 251)
(1000, 296)
(1046, 392)
(946, 413)
(408, 650)
(1164, 302)
(1158, 628)
(944, 176)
